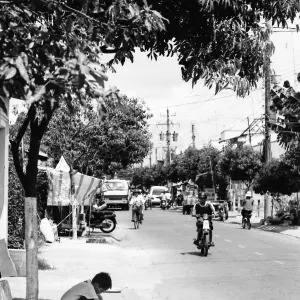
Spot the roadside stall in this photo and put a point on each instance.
(59, 207)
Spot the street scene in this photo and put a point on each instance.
(159, 261)
(149, 149)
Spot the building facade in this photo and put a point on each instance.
(4, 141)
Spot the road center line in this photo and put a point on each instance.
(228, 241)
(217, 235)
(257, 253)
(241, 246)
(279, 262)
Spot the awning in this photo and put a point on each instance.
(59, 190)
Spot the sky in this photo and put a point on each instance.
(160, 85)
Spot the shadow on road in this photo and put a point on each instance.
(195, 253)
(25, 299)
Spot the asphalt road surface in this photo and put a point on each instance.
(244, 264)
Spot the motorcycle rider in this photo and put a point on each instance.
(247, 205)
(200, 208)
(163, 197)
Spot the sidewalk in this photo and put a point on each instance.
(75, 260)
(236, 218)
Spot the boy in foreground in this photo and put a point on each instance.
(89, 289)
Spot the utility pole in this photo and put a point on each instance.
(193, 135)
(150, 156)
(249, 131)
(168, 135)
(156, 155)
(212, 177)
(267, 143)
(168, 158)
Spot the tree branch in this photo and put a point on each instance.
(77, 12)
(15, 144)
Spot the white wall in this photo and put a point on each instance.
(3, 175)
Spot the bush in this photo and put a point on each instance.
(16, 212)
(43, 264)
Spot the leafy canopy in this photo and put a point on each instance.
(276, 178)
(221, 41)
(242, 163)
(122, 139)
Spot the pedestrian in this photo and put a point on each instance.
(89, 289)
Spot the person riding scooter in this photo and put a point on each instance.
(201, 208)
(163, 197)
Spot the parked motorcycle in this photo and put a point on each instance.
(104, 220)
(203, 244)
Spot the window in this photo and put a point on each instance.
(157, 192)
(116, 186)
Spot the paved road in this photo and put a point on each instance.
(245, 264)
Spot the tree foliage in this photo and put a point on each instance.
(242, 163)
(94, 147)
(276, 178)
(285, 103)
(221, 41)
(149, 176)
(16, 214)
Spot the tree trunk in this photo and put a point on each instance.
(73, 203)
(31, 233)
(28, 180)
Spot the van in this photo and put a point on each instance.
(116, 193)
(155, 192)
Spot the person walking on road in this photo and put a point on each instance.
(89, 289)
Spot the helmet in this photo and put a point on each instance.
(248, 194)
(202, 195)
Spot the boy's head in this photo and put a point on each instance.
(101, 282)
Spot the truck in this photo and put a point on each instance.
(116, 193)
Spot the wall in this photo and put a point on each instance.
(3, 173)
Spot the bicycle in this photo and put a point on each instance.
(246, 220)
(136, 219)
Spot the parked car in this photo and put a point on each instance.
(154, 194)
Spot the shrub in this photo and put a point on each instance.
(16, 212)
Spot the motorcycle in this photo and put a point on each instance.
(163, 204)
(203, 244)
(222, 214)
(104, 220)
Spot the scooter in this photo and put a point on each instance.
(203, 244)
(163, 204)
(104, 220)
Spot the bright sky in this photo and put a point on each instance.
(160, 84)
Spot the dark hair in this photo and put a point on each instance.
(202, 195)
(103, 279)
(286, 84)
